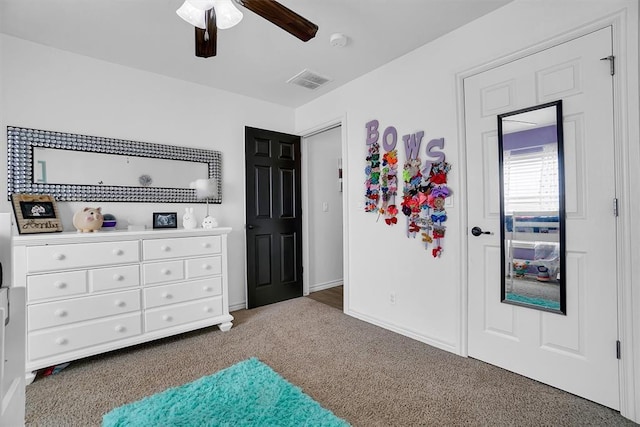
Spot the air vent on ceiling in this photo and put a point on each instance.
(309, 79)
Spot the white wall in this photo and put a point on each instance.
(324, 235)
(418, 92)
(46, 88)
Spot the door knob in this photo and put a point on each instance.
(250, 227)
(476, 231)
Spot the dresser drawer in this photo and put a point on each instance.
(170, 294)
(104, 279)
(163, 272)
(70, 338)
(62, 257)
(201, 267)
(56, 285)
(174, 315)
(50, 314)
(181, 247)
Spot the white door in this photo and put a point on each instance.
(576, 352)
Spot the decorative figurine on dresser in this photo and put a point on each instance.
(88, 293)
(88, 219)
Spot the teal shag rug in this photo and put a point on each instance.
(248, 393)
(554, 305)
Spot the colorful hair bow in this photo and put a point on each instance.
(437, 251)
(441, 191)
(413, 227)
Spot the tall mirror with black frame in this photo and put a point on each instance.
(532, 207)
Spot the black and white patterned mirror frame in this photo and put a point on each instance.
(21, 141)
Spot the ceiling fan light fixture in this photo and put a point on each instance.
(192, 15)
(227, 15)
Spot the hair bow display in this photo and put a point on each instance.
(372, 183)
(435, 202)
(390, 186)
(424, 195)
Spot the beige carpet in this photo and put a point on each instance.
(364, 374)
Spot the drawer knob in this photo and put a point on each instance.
(58, 256)
(60, 312)
(206, 245)
(118, 251)
(167, 295)
(60, 285)
(208, 309)
(165, 248)
(118, 277)
(119, 303)
(61, 341)
(120, 328)
(206, 266)
(167, 318)
(165, 271)
(206, 288)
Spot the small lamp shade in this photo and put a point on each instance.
(193, 11)
(205, 188)
(192, 15)
(227, 15)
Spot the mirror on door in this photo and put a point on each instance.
(532, 207)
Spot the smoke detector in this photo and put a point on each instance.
(309, 79)
(338, 40)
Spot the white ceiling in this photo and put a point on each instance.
(255, 58)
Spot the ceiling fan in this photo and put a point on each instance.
(210, 15)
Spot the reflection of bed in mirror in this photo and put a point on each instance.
(533, 254)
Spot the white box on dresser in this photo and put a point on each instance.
(88, 293)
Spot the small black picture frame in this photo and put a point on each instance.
(165, 220)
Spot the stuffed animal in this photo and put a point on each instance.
(188, 219)
(88, 219)
(543, 273)
(520, 268)
(209, 222)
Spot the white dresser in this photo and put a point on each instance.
(88, 293)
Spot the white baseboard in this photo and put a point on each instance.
(237, 306)
(327, 285)
(434, 342)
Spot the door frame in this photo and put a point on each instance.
(305, 134)
(629, 376)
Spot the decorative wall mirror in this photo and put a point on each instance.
(532, 208)
(85, 168)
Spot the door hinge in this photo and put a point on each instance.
(612, 63)
(615, 206)
(618, 350)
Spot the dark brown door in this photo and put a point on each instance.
(274, 221)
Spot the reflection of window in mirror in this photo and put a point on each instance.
(531, 174)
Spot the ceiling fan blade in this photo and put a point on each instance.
(283, 17)
(206, 45)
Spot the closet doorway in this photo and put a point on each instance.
(322, 209)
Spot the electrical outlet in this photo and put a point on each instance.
(392, 298)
